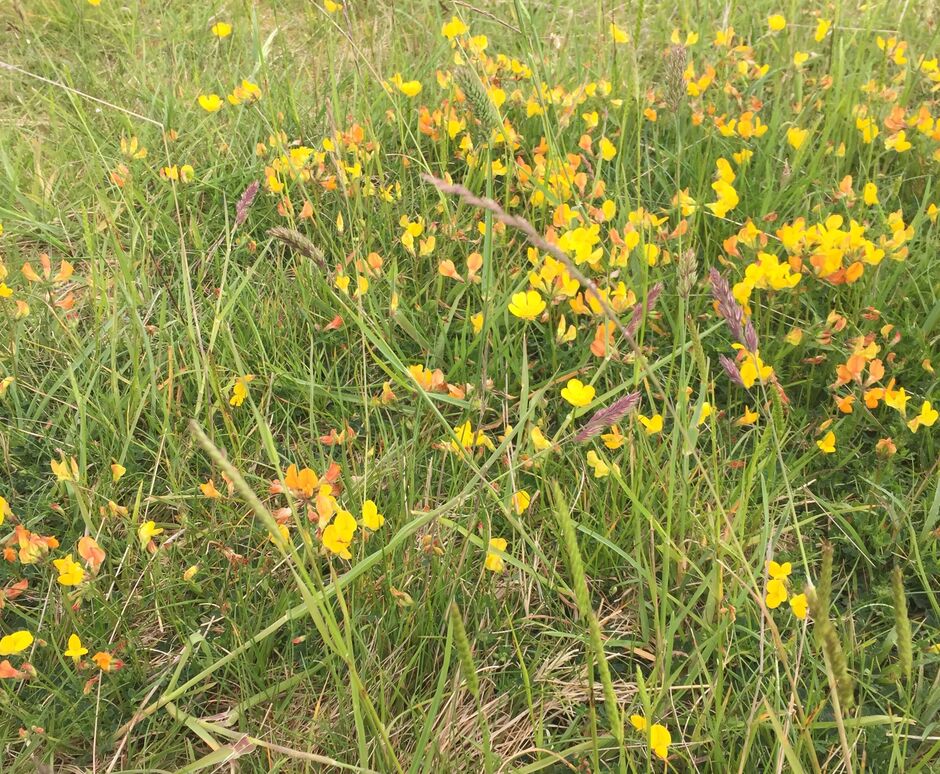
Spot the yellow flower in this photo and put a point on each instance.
(476, 320)
(210, 102)
(65, 470)
(71, 573)
(371, 518)
(467, 439)
(754, 369)
(608, 149)
(408, 88)
(748, 418)
(619, 35)
(704, 414)
(577, 393)
(520, 501)
(898, 142)
(870, 194)
(146, 532)
(539, 441)
(776, 593)
(614, 439)
(247, 92)
(660, 739)
(132, 148)
(690, 39)
(94, 3)
(927, 416)
(339, 534)
(75, 649)
(779, 571)
(117, 471)
(659, 736)
(5, 509)
(896, 399)
(332, 7)
(494, 561)
(453, 28)
(727, 195)
(653, 424)
(527, 305)
(221, 29)
(869, 129)
(15, 643)
(240, 390)
(776, 22)
(799, 606)
(796, 136)
(822, 29)
(209, 490)
(601, 468)
(827, 444)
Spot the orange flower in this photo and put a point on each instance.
(209, 490)
(106, 662)
(91, 553)
(9, 672)
(302, 482)
(62, 275)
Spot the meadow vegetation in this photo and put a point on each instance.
(423, 386)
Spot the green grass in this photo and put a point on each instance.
(644, 588)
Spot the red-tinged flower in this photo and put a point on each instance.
(12, 591)
(333, 472)
(9, 672)
(91, 553)
(107, 662)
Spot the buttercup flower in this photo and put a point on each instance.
(210, 102)
(776, 592)
(527, 305)
(577, 393)
(15, 643)
(799, 606)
